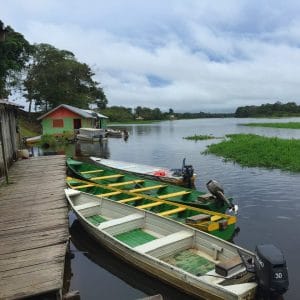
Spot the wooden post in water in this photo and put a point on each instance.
(3, 153)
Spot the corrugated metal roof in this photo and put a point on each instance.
(89, 114)
(2, 101)
(93, 112)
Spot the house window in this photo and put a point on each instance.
(58, 123)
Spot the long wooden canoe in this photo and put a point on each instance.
(141, 186)
(177, 176)
(220, 225)
(196, 262)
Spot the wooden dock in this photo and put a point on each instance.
(33, 228)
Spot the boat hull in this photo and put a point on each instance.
(223, 227)
(177, 180)
(155, 267)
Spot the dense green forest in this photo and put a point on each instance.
(277, 109)
(121, 114)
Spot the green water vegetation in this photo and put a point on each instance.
(199, 137)
(288, 125)
(48, 140)
(252, 150)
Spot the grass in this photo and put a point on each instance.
(28, 129)
(199, 137)
(289, 125)
(257, 151)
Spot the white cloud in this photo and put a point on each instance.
(212, 56)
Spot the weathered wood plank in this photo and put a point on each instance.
(33, 228)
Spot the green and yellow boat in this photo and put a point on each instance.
(214, 200)
(220, 225)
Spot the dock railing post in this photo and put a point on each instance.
(3, 153)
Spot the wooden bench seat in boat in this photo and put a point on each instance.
(109, 194)
(107, 177)
(171, 195)
(130, 199)
(172, 211)
(197, 219)
(91, 171)
(165, 241)
(229, 267)
(149, 205)
(123, 224)
(83, 186)
(125, 183)
(148, 188)
(87, 205)
(216, 218)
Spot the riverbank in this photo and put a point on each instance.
(252, 150)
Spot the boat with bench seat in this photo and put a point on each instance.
(142, 186)
(184, 176)
(196, 262)
(221, 225)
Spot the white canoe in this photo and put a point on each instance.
(151, 172)
(193, 261)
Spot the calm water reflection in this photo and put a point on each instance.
(268, 199)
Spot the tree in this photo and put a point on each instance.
(15, 51)
(118, 113)
(55, 77)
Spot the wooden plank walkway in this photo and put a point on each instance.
(33, 228)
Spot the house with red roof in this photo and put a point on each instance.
(68, 119)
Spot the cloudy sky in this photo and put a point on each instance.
(189, 55)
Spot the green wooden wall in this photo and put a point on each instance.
(47, 125)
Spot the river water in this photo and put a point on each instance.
(269, 202)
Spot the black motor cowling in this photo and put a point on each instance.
(187, 172)
(216, 189)
(271, 269)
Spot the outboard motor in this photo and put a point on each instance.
(216, 189)
(271, 270)
(187, 174)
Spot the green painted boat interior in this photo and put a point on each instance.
(161, 208)
(190, 262)
(135, 237)
(190, 198)
(96, 219)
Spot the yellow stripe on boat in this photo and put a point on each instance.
(107, 177)
(148, 188)
(109, 194)
(172, 211)
(130, 199)
(82, 186)
(181, 193)
(92, 171)
(216, 218)
(156, 203)
(125, 183)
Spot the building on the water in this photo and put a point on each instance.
(9, 142)
(68, 119)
